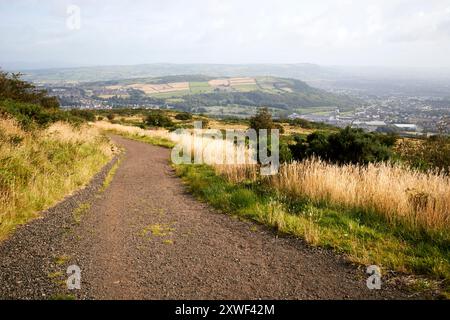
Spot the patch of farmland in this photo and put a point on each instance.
(219, 83)
(231, 82)
(160, 88)
(242, 81)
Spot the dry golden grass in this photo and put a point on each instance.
(399, 194)
(421, 200)
(104, 125)
(39, 168)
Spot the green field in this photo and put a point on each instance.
(200, 87)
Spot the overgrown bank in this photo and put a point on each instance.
(363, 237)
(376, 214)
(38, 169)
(45, 153)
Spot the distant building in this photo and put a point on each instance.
(369, 125)
(294, 116)
(406, 126)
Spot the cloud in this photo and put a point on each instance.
(228, 31)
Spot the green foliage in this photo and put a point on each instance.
(183, 116)
(285, 152)
(83, 114)
(32, 108)
(13, 88)
(429, 154)
(346, 146)
(262, 120)
(363, 237)
(309, 125)
(158, 119)
(28, 115)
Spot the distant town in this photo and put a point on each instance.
(412, 115)
(407, 115)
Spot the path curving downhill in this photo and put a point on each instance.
(145, 237)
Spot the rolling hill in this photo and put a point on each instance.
(235, 96)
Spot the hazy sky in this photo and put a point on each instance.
(34, 33)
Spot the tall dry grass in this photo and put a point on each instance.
(400, 194)
(39, 168)
(421, 200)
(208, 148)
(108, 126)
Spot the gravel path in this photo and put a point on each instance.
(144, 237)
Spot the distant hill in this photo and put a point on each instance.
(238, 96)
(304, 71)
(358, 80)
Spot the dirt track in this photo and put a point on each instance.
(146, 238)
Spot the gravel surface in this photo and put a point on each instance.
(145, 237)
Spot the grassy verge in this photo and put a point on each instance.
(40, 168)
(159, 137)
(364, 239)
(157, 141)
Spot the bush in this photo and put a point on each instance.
(262, 120)
(183, 116)
(13, 88)
(28, 115)
(83, 114)
(285, 151)
(431, 153)
(111, 116)
(346, 146)
(158, 119)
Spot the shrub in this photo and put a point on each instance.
(83, 114)
(158, 119)
(13, 88)
(28, 115)
(431, 153)
(183, 116)
(262, 120)
(346, 146)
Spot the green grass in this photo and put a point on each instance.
(162, 142)
(80, 211)
(172, 94)
(365, 239)
(110, 175)
(246, 87)
(40, 171)
(200, 87)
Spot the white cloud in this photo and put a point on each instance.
(137, 31)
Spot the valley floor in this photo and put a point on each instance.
(142, 236)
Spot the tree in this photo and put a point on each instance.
(158, 119)
(12, 87)
(262, 120)
(183, 116)
(430, 153)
